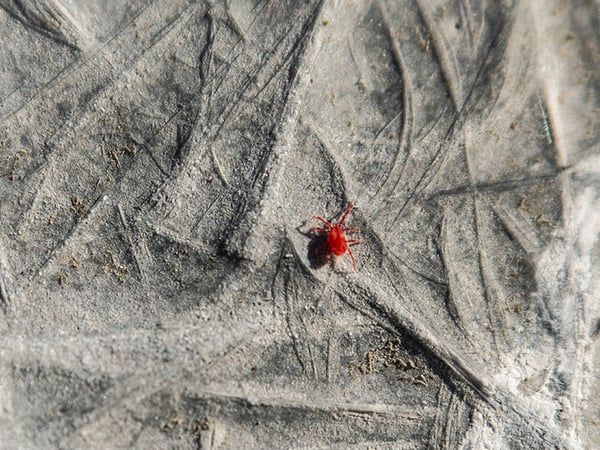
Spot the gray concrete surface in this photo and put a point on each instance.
(160, 164)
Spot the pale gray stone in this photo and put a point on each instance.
(160, 166)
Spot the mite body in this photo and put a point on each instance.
(337, 242)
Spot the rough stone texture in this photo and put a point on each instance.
(160, 162)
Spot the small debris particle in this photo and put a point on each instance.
(74, 263)
(78, 206)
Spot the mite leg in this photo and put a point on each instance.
(346, 212)
(353, 260)
(327, 223)
(351, 229)
(317, 230)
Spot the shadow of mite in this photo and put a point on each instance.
(317, 250)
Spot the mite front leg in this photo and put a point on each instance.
(346, 212)
(328, 224)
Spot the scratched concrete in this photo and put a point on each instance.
(160, 162)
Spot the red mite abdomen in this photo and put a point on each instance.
(336, 240)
